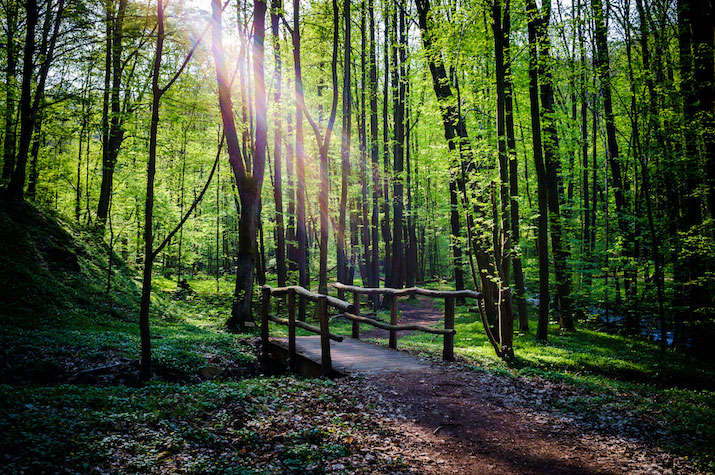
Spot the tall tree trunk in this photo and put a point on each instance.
(276, 9)
(519, 295)
(16, 187)
(366, 270)
(553, 184)
(156, 91)
(398, 83)
(386, 233)
(345, 150)
(542, 223)
(249, 185)
(619, 184)
(455, 131)
(11, 12)
(374, 151)
(503, 243)
(301, 234)
(324, 146)
(114, 131)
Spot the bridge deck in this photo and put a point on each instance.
(357, 357)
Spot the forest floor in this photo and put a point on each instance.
(451, 420)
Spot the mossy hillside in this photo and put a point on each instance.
(60, 319)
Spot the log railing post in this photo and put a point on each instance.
(325, 361)
(393, 321)
(356, 325)
(293, 361)
(448, 350)
(265, 309)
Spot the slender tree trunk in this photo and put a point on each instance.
(619, 185)
(386, 234)
(11, 12)
(553, 182)
(276, 8)
(145, 374)
(345, 150)
(502, 243)
(376, 187)
(249, 185)
(114, 131)
(455, 130)
(366, 270)
(519, 295)
(324, 146)
(16, 188)
(300, 163)
(542, 222)
(398, 84)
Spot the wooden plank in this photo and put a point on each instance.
(448, 348)
(354, 357)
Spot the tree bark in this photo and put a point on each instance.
(114, 131)
(344, 150)
(519, 295)
(276, 8)
(10, 89)
(542, 222)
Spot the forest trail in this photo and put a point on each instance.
(418, 311)
(452, 421)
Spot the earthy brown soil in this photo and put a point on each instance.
(446, 420)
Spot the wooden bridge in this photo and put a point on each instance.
(313, 355)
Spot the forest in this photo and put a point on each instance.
(537, 178)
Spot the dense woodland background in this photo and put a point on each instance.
(557, 156)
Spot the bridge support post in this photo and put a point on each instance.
(448, 349)
(292, 355)
(265, 309)
(325, 361)
(393, 321)
(356, 325)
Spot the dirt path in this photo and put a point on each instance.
(421, 312)
(446, 420)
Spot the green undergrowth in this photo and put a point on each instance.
(162, 427)
(59, 317)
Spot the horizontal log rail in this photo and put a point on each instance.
(304, 326)
(449, 297)
(312, 296)
(387, 326)
(409, 291)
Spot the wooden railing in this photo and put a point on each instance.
(352, 312)
(449, 299)
(322, 304)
